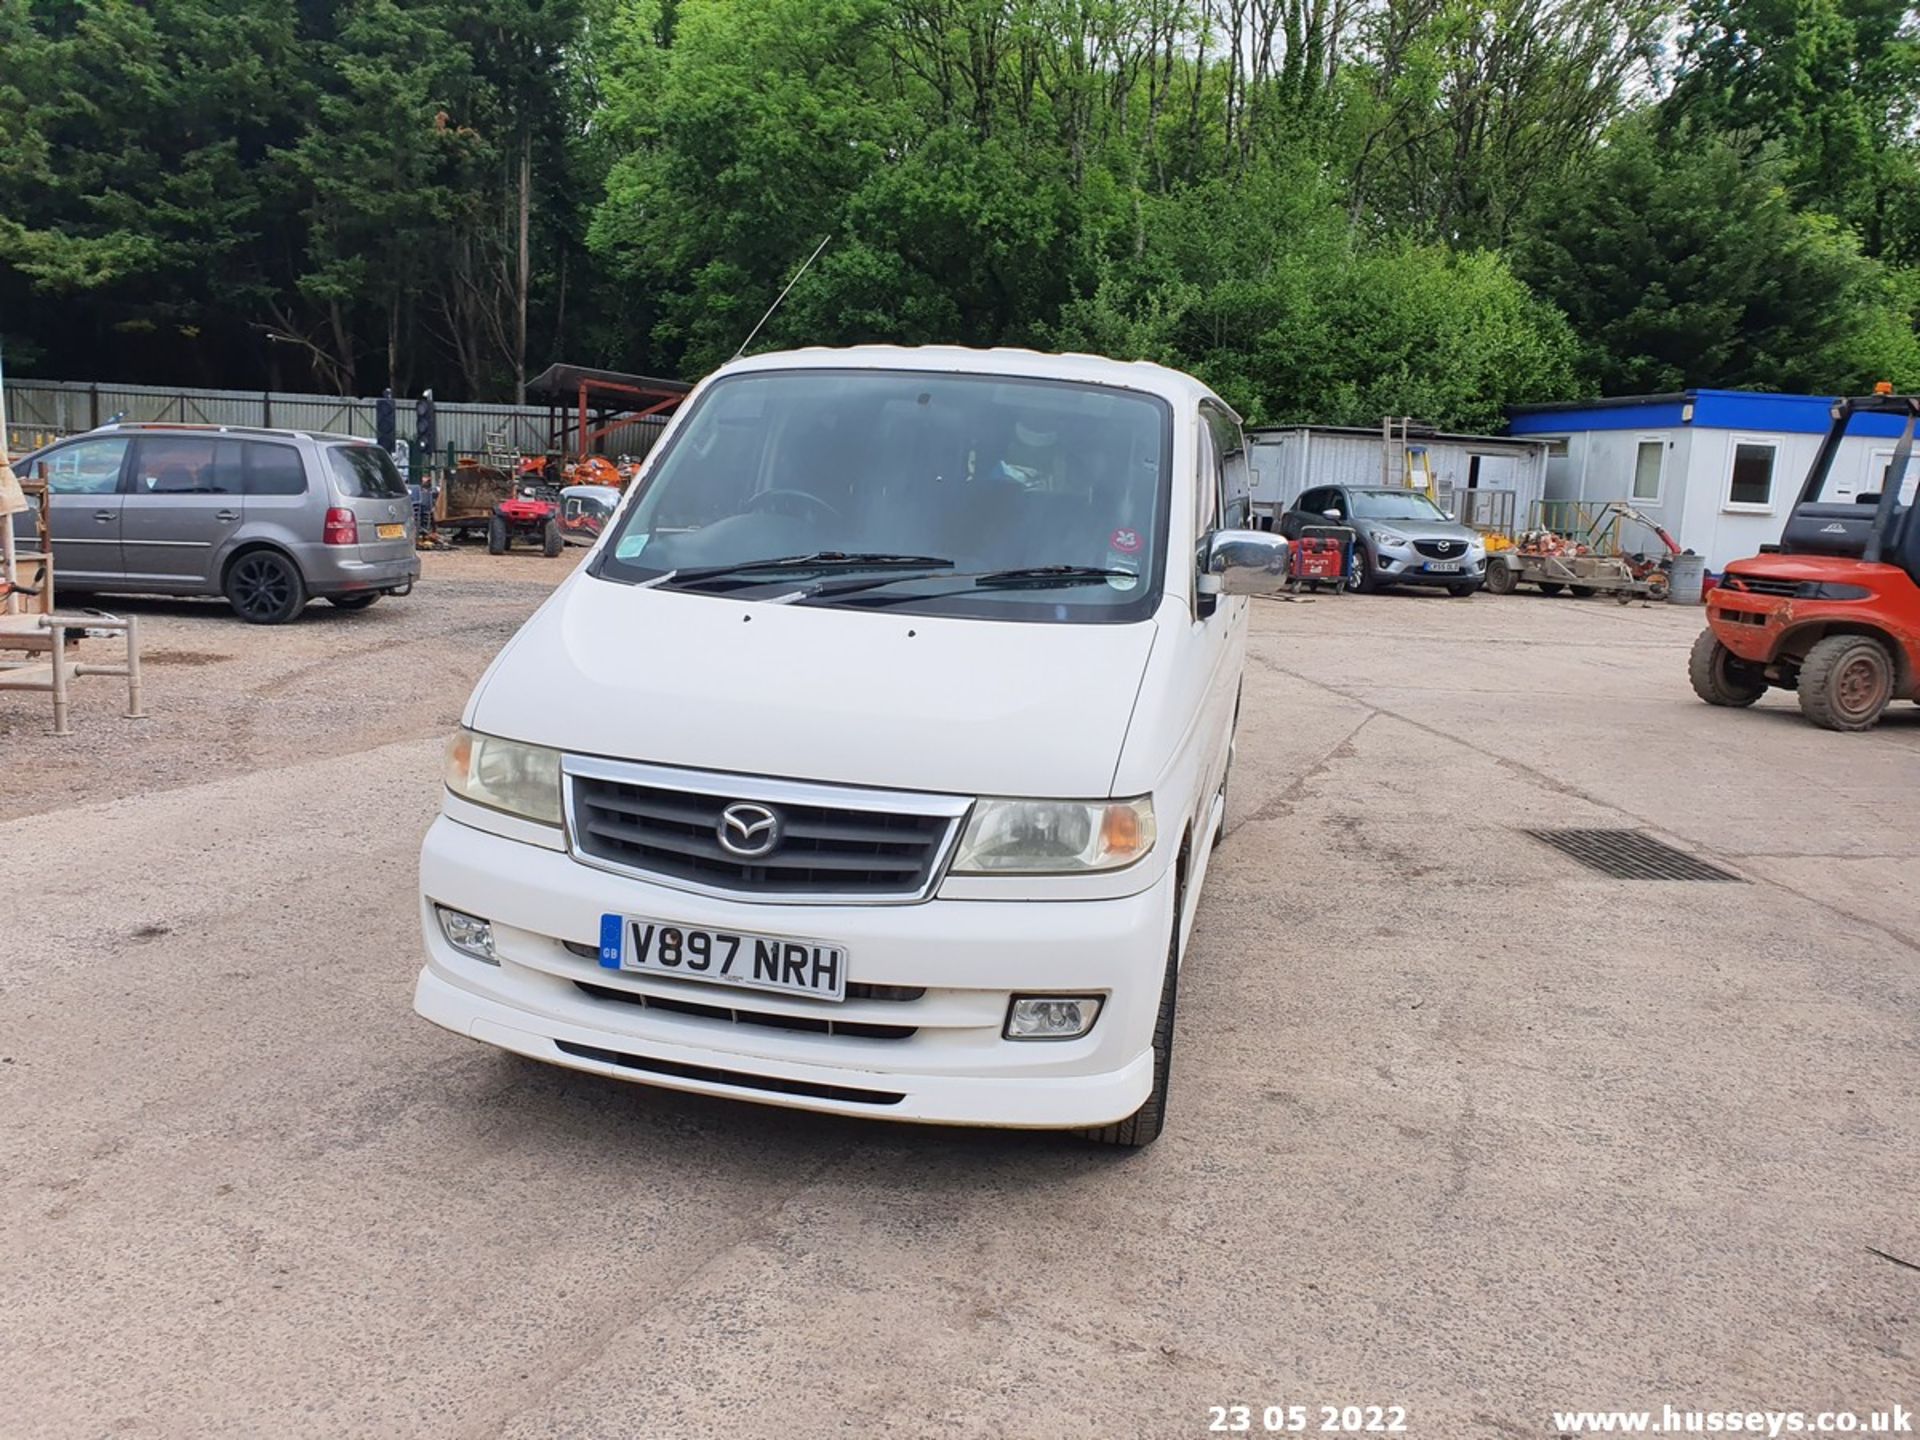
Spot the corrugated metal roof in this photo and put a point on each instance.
(1418, 437)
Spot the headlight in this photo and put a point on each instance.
(1387, 537)
(1050, 837)
(522, 780)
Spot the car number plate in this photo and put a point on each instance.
(1444, 567)
(393, 532)
(780, 963)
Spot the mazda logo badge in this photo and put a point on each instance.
(747, 830)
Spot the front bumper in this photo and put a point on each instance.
(954, 1067)
(1404, 565)
(1749, 625)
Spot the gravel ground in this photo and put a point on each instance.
(223, 696)
(1456, 1124)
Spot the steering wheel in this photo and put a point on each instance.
(777, 501)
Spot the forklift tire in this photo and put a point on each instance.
(1551, 587)
(1846, 682)
(1583, 592)
(552, 542)
(497, 538)
(1719, 676)
(1503, 576)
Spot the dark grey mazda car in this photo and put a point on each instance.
(1400, 537)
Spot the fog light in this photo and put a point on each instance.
(468, 934)
(1051, 1017)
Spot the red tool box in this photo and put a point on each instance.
(1319, 556)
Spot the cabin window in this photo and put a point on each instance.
(1647, 461)
(1750, 484)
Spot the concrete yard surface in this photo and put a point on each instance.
(1457, 1124)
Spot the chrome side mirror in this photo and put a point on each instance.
(1242, 562)
(1331, 514)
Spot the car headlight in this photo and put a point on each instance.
(1387, 537)
(507, 775)
(1051, 837)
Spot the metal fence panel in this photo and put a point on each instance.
(39, 411)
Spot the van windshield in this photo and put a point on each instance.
(952, 494)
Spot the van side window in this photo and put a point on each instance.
(1236, 495)
(1209, 483)
(274, 469)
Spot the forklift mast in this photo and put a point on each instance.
(1812, 522)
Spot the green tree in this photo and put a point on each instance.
(1681, 261)
(137, 142)
(1836, 82)
(1263, 289)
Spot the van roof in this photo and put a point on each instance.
(1159, 380)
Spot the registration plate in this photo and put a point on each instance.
(779, 963)
(393, 532)
(1444, 567)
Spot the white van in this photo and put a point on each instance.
(871, 762)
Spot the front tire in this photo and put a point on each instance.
(497, 537)
(1143, 1127)
(1846, 682)
(551, 540)
(1720, 677)
(264, 588)
(1461, 592)
(1361, 579)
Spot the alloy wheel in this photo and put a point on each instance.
(261, 586)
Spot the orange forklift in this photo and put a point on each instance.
(1833, 611)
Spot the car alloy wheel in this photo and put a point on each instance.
(264, 588)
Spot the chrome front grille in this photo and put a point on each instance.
(828, 842)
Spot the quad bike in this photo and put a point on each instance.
(532, 513)
(1833, 611)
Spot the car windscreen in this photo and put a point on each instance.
(366, 472)
(1021, 499)
(1395, 505)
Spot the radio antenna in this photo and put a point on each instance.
(782, 295)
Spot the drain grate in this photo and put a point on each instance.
(1631, 855)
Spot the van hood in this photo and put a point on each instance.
(966, 707)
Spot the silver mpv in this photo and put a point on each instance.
(267, 518)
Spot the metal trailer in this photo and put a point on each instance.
(1578, 575)
(1574, 546)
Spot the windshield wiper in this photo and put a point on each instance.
(816, 560)
(1035, 575)
(1050, 575)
